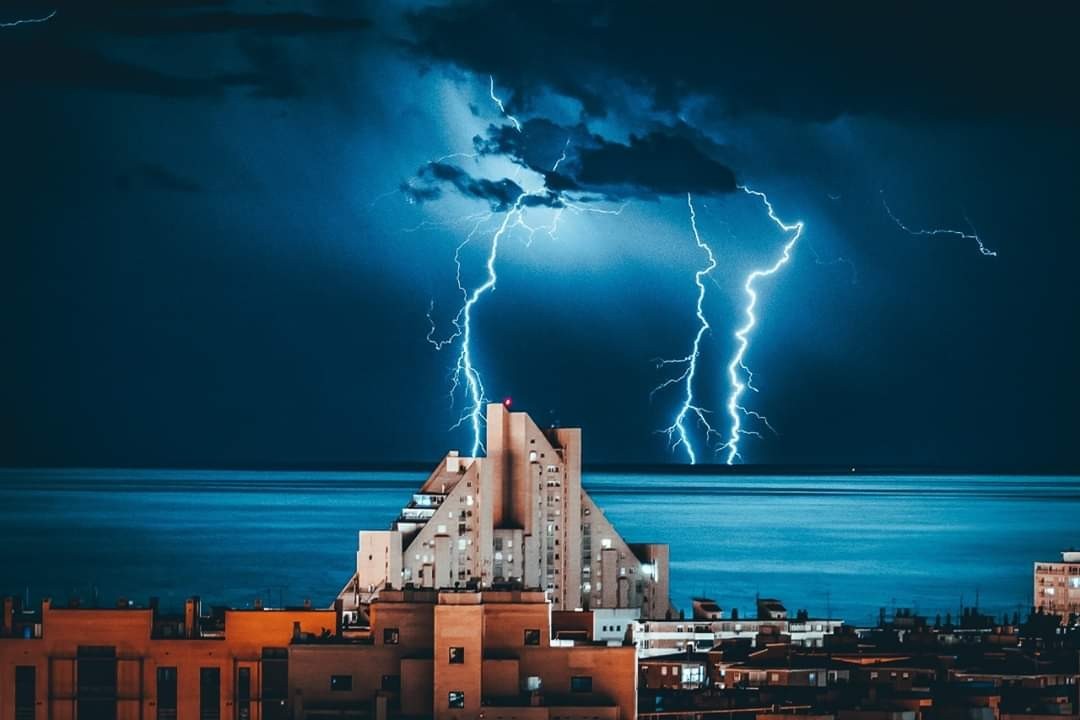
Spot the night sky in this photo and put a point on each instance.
(225, 226)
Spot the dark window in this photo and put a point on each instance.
(96, 683)
(341, 683)
(25, 692)
(166, 693)
(457, 655)
(532, 636)
(275, 683)
(390, 636)
(455, 699)
(581, 683)
(391, 683)
(243, 693)
(209, 693)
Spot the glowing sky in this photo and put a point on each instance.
(226, 223)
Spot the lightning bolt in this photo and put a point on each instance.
(737, 368)
(677, 432)
(973, 235)
(498, 101)
(465, 373)
(28, 21)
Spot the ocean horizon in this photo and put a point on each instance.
(845, 544)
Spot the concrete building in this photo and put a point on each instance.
(128, 663)
(709, 628)
(427, 654)
(462, 655)
(1057, 586)
(515, 518)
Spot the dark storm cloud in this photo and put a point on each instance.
(806, 61)
(77, 49)
(142, 23)
(667, 160)
(153, 176)
(500, 195)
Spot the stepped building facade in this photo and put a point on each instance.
(516, 518)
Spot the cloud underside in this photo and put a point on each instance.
(804, 61)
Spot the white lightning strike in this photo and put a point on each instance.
(735, 409)
(689, 363)
(502, 108)
(465, 372)
(28, 21)
(973, 235)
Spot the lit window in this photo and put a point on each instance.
(457, 656)
(455, 699)
(605, 543)
(532, 636)
(581, 683)
(532, 683)
(441, 530)
(391, 636)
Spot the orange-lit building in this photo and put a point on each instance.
(129, 663)
(426, 654)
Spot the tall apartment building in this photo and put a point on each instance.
(516, 517)
(1057, 585)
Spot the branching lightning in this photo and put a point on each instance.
(739, 375)
(677, 432)
(465, 373)
(28, 21)
(973, 235)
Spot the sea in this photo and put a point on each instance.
(843, 546)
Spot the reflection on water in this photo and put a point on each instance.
(852, 544)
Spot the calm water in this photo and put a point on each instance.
(852, 544)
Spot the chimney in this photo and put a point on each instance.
(307, 603)
(296, 632)
(339, 607)
(258, 603)
(192, 611)
(453, 463)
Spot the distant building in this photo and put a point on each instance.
(515, 518)
(708, 628)
(1057, 586)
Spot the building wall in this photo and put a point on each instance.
(1057, 588)
(458, 626)
(139, 655)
